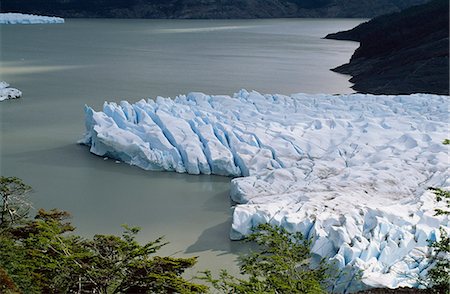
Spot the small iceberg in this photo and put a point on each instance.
(8, 93)
(20, 18)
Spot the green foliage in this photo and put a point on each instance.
(14, 260)
(439, 276)
(281, 265)
(442, 195)
(446, 142)
(7, 285)
(13, 203)
(122, 265)
(42, 255)
(42, 258)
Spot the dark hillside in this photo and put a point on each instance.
(405, 52)
(207, 8)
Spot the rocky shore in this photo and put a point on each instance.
(401, 53)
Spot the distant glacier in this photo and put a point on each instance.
(20, 18)
(349, 171)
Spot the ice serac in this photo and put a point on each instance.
(349, 171)
(8, 93)
(20, 18)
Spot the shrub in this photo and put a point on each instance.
(42, 255)
(14, 205)
(281, 265)
(439, 276)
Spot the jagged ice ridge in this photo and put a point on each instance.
(349, 171)
(20, 18)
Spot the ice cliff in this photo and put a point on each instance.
(349, 171)
(8, 93)
(19, 18)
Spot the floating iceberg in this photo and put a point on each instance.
(8, 93)
(19, 18)
(349, 171)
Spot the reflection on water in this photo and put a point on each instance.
(200, 30)
(12, 69)
(61, 68)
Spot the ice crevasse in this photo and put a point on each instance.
(349, 171)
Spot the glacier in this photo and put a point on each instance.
(8, 93)
(350, 172)
(20, 18)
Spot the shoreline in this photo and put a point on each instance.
(413, 58)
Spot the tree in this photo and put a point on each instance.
(14, 205)
(439, 276)
(122, 265)
(7, 285)
(43, 255)
(281, 265)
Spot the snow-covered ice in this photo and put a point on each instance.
(8, 93)
(20, 18)
(349, 171)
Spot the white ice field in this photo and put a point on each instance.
(349, 171)
(20, 18)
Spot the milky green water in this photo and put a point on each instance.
(60, 68)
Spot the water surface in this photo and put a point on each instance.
(60, 68)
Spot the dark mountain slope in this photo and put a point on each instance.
(207, 8)
(401, 53)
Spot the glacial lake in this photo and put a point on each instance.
(60, 68)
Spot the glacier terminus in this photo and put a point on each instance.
(350, 172)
